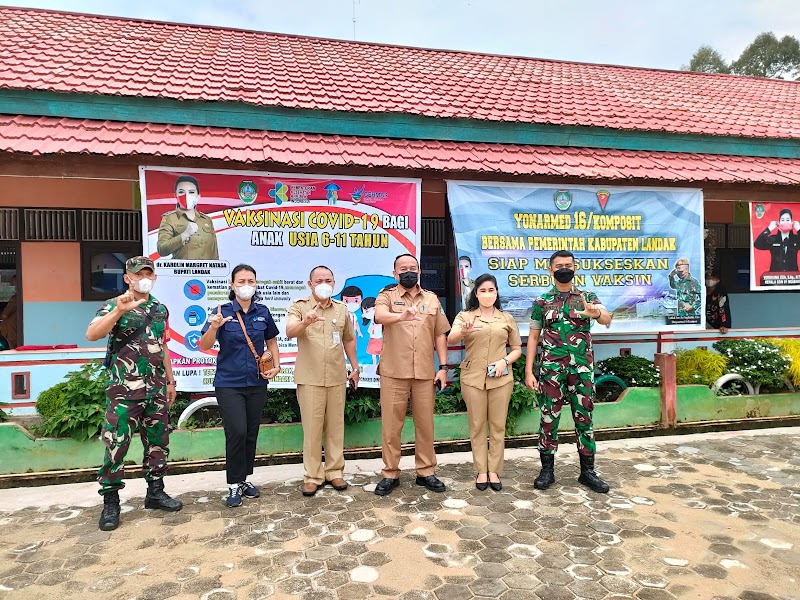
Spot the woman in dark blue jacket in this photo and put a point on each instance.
(240, 385)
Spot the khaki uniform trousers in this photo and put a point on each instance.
(487, 407)
(394, 404)
(322, 413)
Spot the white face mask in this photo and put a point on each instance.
(323, 291)
(244, 292)
(143, 286)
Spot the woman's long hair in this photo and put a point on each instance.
(472, 301)
(244, 267)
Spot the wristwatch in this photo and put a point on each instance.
(444, 366)
(172, 383)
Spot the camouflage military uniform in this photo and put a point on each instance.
(688, 292)
(567, 366)
(137, 395)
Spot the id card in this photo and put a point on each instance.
(336, 338)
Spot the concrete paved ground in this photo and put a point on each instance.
(702, 516)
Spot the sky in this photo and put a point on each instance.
(644, 33)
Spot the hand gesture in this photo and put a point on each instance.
(469, 327)
(126, 302)
(217, 320)
(589, 311)
(796, 225)
(772, 225)
(312, 316)
(530, 382)
(723, 330)
(354, 377)
(272, 372)
(410, 314)
(190, 230)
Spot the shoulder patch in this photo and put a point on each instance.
(389, 287)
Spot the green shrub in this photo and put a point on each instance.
(281, 406)
(758, 361)
(82, 413)
(791, 348)
(3, 414)
(635, 371)
(362, 404)
(522, 399)
(51, 400)
(699, 366)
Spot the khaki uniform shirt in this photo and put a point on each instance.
(202, 245)
(320, 356)
(408, 346)
(485, 346)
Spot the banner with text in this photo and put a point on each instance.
(775, 241)
(639, 249)
(199, 224)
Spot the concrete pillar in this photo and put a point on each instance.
(669, 390)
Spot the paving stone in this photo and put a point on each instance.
(358, 591)
(331, 580)
(491, 570)
(106, 584)
(521, 581)
(710, 571)
(451, 591)
(54, 577)
(160, 591)
(588, 589)
(374, 559)
(490, 588)
(341, 563)
(261, 591)
(200, 585)
(43, 566)
(554, 592)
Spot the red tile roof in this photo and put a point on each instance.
(46, 135)
(64, 52)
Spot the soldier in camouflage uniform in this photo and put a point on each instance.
(141, 388)
(687, 289)
(561, 318)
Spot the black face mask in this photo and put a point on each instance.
(409, 279)
(564, 275)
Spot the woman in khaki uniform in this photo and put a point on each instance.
(486, 377)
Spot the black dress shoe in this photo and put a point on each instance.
(386, 485)
(431, 482)
(482, 486)
(496, 485)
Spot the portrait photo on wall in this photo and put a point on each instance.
(775, 242)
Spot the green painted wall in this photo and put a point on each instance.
(698, 403)
(22, 454)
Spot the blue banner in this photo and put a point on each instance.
(639, 249)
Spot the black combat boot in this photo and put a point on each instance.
(157, 498)
(109, 518)
(547, 476)
(588, 477)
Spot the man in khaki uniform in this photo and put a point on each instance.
(413, 325)
(185, 233)
(323, 328)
